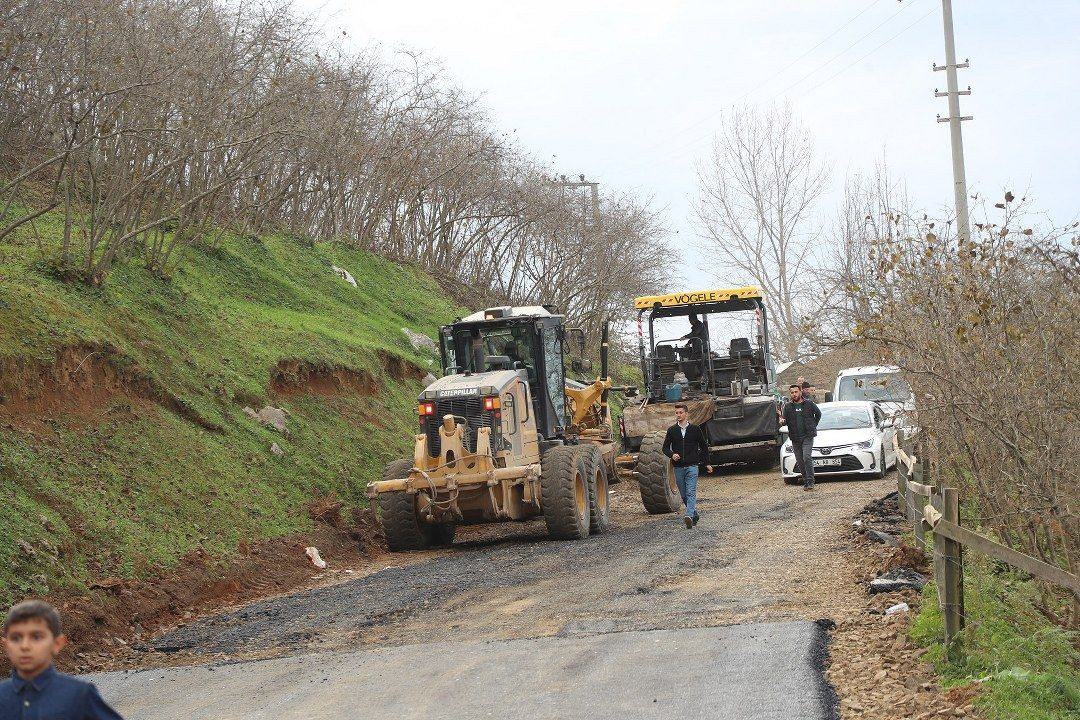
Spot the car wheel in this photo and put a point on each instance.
(881, 465)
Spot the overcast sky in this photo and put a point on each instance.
(629, 92)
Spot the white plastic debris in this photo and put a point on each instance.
(344, 275)
(898, 608)
(857, 523)
(316, 559)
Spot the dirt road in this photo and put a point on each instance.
(763, 550)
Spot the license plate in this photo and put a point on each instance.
(826, 462)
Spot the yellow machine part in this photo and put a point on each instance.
(697, 297)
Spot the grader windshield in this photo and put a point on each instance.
(513, 338)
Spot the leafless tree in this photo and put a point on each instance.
(151, 126)
(756, 194)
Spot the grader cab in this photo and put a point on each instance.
(504, 435)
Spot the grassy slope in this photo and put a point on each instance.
(131, 487)
(1028, 668)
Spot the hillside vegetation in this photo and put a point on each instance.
(124, 443)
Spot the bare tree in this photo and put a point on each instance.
(756, 193)
(150, 126)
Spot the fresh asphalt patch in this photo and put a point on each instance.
(763, 671)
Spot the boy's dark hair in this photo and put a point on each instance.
(680, 405)
(806, 386)
(793, 385)
(34, 610)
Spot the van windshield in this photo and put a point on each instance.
(880, 387)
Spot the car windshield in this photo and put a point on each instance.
(843, 418)
(887, 387)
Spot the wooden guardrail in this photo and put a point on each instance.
(935, 509)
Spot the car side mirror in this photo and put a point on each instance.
(889, 422)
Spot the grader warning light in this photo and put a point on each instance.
(491, 403)
(425, 409)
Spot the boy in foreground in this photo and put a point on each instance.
(36, 690)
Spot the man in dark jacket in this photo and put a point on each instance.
(801, 416)
(687, 447)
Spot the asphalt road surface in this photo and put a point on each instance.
(764, 670)
(647, 620)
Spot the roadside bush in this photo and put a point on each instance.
(987, 333)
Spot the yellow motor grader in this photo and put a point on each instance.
(504, 435)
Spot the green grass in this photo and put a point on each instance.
(129, 487)
(1029, 668)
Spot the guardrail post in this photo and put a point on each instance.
(953, 577)
(937, 502)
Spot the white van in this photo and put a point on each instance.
(881, 384)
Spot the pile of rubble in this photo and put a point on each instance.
(876, 669)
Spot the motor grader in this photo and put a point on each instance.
(504, 435)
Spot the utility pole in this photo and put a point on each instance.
(963, 222)
(581, 182)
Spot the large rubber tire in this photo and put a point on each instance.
(597, 472)
(656, 477)
(402, 525)
(564, 494)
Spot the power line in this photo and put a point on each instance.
(925, 15)
(843, 52)
(697, 138)
(765, 82)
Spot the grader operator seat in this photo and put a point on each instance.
(498, 362)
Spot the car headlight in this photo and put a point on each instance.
(866, 443)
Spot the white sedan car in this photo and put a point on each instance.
(853, 437)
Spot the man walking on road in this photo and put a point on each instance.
(685, 444)
(801, 416)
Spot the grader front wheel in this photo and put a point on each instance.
(564, 494)
(656, 477)
(403, 527)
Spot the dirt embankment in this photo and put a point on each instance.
(119, 613)
(294, 376)
(79, 383)
(78, 387)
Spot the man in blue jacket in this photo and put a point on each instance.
(687, 447)
(801, 416)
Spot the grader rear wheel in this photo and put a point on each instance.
(401, 523)
(597, 472)
(564, 494)
(656, 477)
